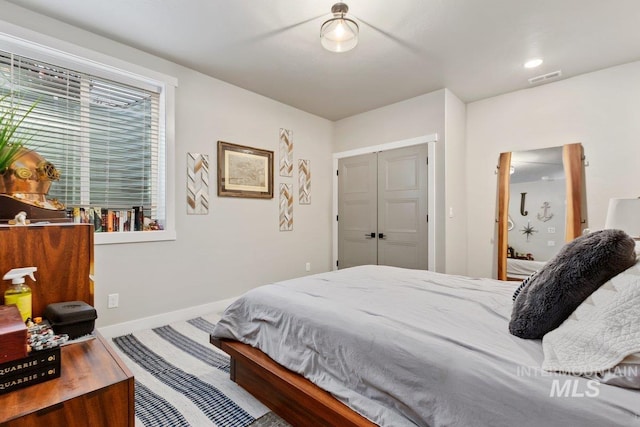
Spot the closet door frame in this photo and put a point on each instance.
(430, 140)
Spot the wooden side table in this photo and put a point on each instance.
(95, 388)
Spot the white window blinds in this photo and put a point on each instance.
(103, 136)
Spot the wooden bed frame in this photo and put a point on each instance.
(291, 396)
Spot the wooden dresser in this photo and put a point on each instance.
(95, 387)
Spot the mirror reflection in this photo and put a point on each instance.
(537, 197)
(541, 200)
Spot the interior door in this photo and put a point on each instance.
(357, 211)
(382, 209)
(402, 207)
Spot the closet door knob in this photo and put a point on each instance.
(381, 236)
(370, 235)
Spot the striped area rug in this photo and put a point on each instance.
(183, 380)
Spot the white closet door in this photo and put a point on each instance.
(402, 207)
(382, 209)
(357, 211)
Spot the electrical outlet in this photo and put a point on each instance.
(307, 266)
(551, 243)
(113, 301)
(551, 230)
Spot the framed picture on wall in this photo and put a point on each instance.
(244, 171)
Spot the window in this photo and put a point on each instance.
(104, 134)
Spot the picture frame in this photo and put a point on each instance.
(244, 171)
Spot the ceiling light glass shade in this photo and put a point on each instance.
(339, 34)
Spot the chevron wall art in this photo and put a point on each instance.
(197, 184)
(286, 153)
(304, 182)
(286, 207)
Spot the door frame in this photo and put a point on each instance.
(430, 140)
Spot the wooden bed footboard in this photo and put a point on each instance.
(291, 396)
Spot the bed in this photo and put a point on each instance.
(520, 269)
(398, 347)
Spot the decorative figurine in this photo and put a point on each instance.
(21, 218)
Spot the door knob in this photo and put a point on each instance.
(370, 235)
(381, 236)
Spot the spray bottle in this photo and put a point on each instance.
(19, 293)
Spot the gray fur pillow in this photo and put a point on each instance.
(558, 288)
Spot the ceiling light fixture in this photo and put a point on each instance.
(533, 63)
(339, 34)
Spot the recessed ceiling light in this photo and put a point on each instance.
(533, 63)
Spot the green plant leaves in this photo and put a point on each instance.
(10, 144)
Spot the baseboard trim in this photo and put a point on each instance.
(131, 326)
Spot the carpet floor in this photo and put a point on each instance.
(183, 380)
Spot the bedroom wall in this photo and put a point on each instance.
(455, 182)
(238, 245)
(439, 112)
(598, 109)
(422, 115)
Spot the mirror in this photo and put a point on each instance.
(541, 206)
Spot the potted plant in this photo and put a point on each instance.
(25, 176)
(11, 144)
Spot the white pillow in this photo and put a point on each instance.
(625, 374)
(601, 332)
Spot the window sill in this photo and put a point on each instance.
(133, 237)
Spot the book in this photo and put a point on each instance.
(36, 360)
(97, 219)
(110, 220)
(105, 220)
(137, 218)
(38, 367)
(25, 379)
(130, 226)
(123, 220)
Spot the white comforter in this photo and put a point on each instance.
(411, 347)
(601, 332)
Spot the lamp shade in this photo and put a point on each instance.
(624, 214)
(339, 34)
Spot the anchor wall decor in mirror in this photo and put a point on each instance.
(541, 205)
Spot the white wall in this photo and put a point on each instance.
(455, 185)
(238, 245)
(419, 116)
(599, 109)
